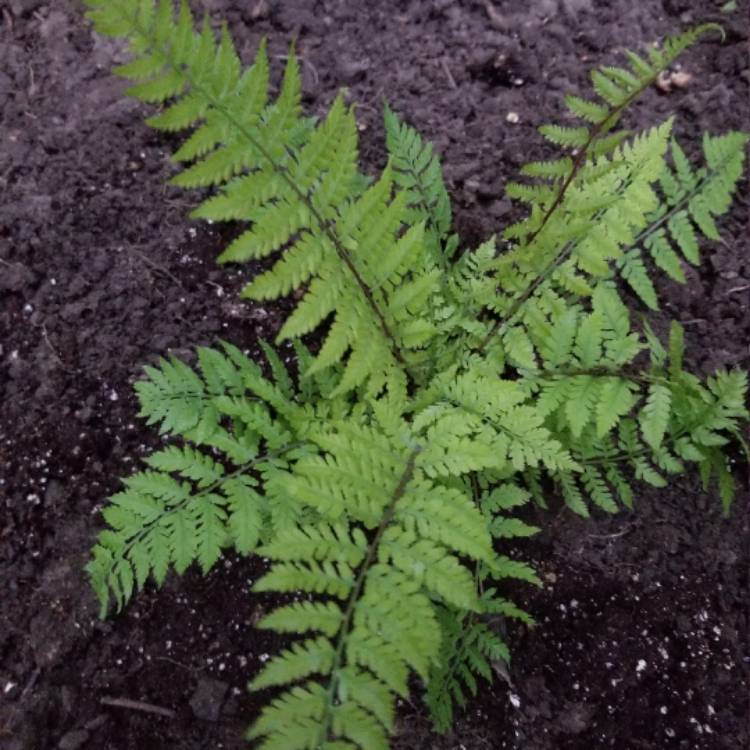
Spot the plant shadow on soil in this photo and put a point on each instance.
(643, 619)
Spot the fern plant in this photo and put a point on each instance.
(443, 388)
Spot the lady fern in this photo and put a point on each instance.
(690, 199)
(381, 475)
(298, 185)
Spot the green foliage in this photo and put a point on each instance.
(238, 433)
(385, 475)
(691, 199)
(419, 176)
(297, 184)
(420, 534)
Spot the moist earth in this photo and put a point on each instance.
(642, 635)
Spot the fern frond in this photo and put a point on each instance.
(191, 503)
(173, 396)
(381, 475)
(418, 173)
(407, 565)
(586, 110)
(655, 415)
(298, 186)
(597, 219)
(551, 170)
(680, 420)
(692, 197)
(606, 197)
(565, 136)
(157, 522)
(470, 646)
(632, 268)
(189, 463)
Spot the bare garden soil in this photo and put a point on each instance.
(643, 635)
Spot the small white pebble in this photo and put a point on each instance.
(641, 665)
(515, 700)
(513, 117)
(8, 687)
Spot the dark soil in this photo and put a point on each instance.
(643, 636)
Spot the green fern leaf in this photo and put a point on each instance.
(639, 66)
(557, 345)
(368, 692)
(647, 473)
(582, 398)
(292, 720)
(587, 110)
(418, 173)
(189, 463)
(589, 339)
(507, 528)
(616, 479)
(304, 616)
(505, 497)
(210, 528)
(519, 348)
(245, 520)
(597, 489)
(314, 656)
(379, 475)
(634, 271)
(572, 494)
(683, 234)
(552, 170)
(664, 256)
(616, 399)
(173, 395)
(564, 136)
(607, 89)
(654, 417)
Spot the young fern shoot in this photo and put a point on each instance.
(382, 474)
